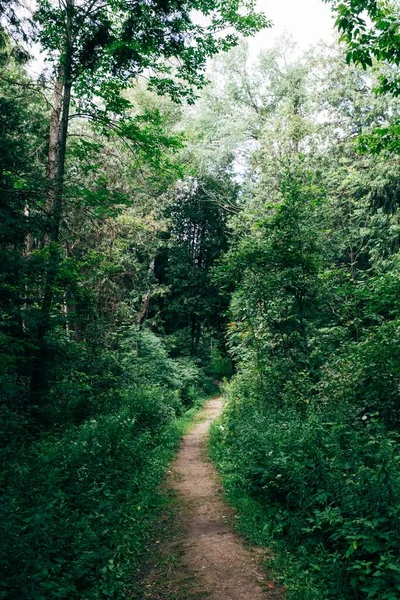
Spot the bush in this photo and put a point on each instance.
(77, 507)
(79, 485)
(326, 490)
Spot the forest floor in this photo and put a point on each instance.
(202, 557)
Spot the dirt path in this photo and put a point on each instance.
(210, 560)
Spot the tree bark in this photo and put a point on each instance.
(54, 138)
(54, 202)
(195, 332)
(57, 154)
(144, 309)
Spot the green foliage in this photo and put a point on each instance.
(78, 508)
(275, 265)
(220, 366)
(371, 32)
(117, 272)
(92, 402)
(111, 43)
(370, 29)
(80, 500)
(308, 443)
(145, 360)
(198, 237)
(323, 491)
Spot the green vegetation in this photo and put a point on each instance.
(101, 363)
(308, 445)
(82, 498)
(158, 234)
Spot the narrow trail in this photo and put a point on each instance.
(210, 559)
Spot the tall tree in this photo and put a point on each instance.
(198, 230)
(96, 49)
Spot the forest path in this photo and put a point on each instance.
(207, 560)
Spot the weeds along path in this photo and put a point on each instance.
(209, 559)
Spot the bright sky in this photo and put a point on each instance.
(307, 20)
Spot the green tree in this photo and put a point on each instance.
(371, 32)
(23, 136)
(198, 237)
(96, 50)
(308, 437)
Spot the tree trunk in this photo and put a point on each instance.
(54, 138)
(144, 309)
(54, 201)
(195, 332)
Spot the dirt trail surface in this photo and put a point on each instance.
(210, 560)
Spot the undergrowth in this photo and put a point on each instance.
(82, 508)
(80, 502)
(322, 495)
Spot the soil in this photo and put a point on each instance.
(206, 559)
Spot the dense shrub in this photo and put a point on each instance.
(76, 506)
(325, 489)
(80, 490)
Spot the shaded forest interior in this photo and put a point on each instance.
(175, 213)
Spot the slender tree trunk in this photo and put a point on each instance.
(73, 327)
(66, 105)
(195, 332)
(29, 238)
(54, 202)
(144, 309)
(57, 154)
(73, 324)
(54, 138)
